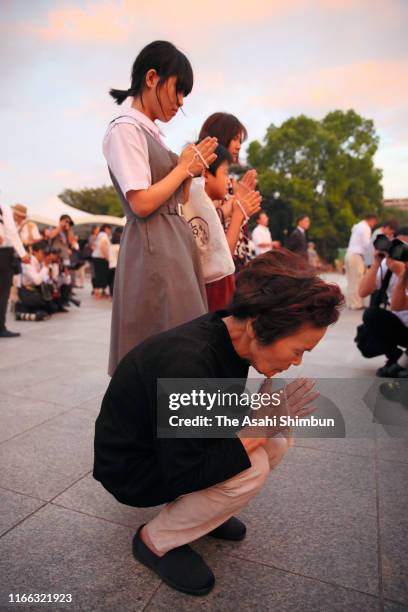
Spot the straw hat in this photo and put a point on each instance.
(20, 210)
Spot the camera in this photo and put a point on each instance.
(396, 249)
(399, 250)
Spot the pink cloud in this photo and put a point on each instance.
(372, 85)
(100, 22)
(113, 21)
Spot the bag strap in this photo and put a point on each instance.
(383, 289)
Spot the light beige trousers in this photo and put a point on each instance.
(191, 516)
(355, 269)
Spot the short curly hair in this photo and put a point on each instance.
(280, 292)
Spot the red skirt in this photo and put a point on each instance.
(220, 292)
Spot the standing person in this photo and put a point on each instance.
(91, 247)
(10, 241)
(113, 257)
(62, 238)
(231, 133)
(219, 292)
(313, 256)
(297, 241)
(261, 235)
(28, 230)
(158, 281)
(100, 260)
(280, 309)
(360, 240)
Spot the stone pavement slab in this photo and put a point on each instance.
(47, 459)
(244, 586)
(59, 551)
(18, 414)
(14, 508)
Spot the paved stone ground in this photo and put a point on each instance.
(327, 533)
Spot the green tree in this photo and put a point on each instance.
(99, 201)
(321, 168)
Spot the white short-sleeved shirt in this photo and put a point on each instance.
(102, 238)
(113, 255)
(360, 239)
(34, 273)
(261, 235)
(125, 149)
(27, 228)
(8, 231)
(401, 314)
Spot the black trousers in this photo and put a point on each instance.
(111, 277)
(101, 267)
(6, 278)
(384, 332)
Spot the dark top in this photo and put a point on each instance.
(297, 242)
(131, 462)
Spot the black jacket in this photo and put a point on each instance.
(131, 462)
(297, 242)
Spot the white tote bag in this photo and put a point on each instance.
(200, 213)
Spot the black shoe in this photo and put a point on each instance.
(233, 530)
(181, 568)
(390, 370)
(8, 334)
(403, 373)
(395, 391)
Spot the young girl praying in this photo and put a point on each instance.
(158, 282)
(219, 292)
(231, 133)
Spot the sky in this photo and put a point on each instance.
(264, 61)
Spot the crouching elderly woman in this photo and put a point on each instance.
(280, 309)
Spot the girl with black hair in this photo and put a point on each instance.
(158, 281)
(231, 133)
(219, 292)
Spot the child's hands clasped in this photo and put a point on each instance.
(196, 158)
(249, 205)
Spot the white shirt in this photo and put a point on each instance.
(8, 231)
(28, 230)
(34, 273)
(401, 314)
(102, 238)
(261, 235)
(126, 152)
(360, 239)
(113, 255)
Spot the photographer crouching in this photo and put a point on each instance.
(384, 330)
(45, 286)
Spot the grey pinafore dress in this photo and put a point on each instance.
(158, 280)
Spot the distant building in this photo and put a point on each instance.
(401, 203)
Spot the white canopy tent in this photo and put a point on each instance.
(49, 214)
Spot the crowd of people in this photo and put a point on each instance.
(42, 268)
(197, 295)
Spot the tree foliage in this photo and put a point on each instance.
(98, 201)
(321, 168)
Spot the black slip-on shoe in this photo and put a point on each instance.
(5, 333)
(233, 530)
(395, 391)
(181, 568)
(389, 370)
